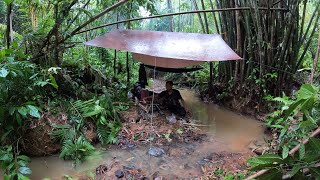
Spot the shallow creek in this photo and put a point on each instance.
(226, 131)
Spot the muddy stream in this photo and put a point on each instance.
(228, 136)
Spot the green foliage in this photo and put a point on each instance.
(99, 110)
(76, 149)
(290, 167)
(21, 89)
(295, 119)
(14, 166)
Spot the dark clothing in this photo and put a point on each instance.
(142, 76)
(171, 102)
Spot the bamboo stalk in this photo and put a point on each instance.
(175, 14)
(9, 25)
(315, 62)
(199, 16)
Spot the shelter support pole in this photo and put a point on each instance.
(115, 64)
(128, 69)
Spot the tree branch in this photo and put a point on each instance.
(94, 18)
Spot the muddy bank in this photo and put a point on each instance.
(244, 100)
(215, 138)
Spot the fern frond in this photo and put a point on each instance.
(103, 134)
(62, 132)
(87, 108)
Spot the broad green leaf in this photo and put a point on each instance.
(306, 124)
(18, 118)
(22, 177)
(307, 114)
(294, 170)
(282, 133)
(285, 151)
(53, 82)
(23, 157)
(33, 111)
(264, 166)
(6, 157)
(302, 151)
(315, 143)
(25, 170)
(3, 72)
(22, 163)
(306, 91)
(308, 104)
(264, 159)
(293, 107)
(41, 83)
(23, 111)
(277, 126)
(315, 172)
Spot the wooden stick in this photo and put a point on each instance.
(294, 150)
(179, 13)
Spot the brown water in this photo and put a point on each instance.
(226, 132)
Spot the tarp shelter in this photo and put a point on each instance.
(167, 49)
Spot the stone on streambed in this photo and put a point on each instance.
(119, 173)
(156, 152)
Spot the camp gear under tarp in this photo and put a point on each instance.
(167, 49)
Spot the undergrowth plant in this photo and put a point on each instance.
(303, 165)
(99, 110)
(296, 118)
(14, 166)
(294, 121)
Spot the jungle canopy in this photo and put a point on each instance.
(167, 49)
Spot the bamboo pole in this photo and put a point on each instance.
(316, 58)
(179, 13)
(9, 25)
(292, 152)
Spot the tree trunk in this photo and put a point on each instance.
(238, 40)
(214, 18)
(169, 6)
(9, 25)
(199, 15)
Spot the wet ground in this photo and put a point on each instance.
(214, 138)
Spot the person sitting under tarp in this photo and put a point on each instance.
(139, 90)
(171, 99)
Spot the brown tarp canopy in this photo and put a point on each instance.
(167, 49)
